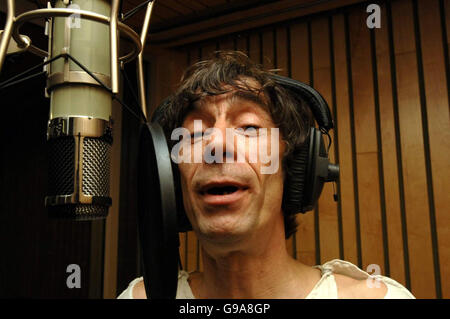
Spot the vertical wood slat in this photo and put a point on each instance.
(281, 63)
(381, 182)
(444, 11)
(416, 198)
(254, 50)
(281, 43)
(426, 150)
(326, 207)
(183, 249)
(335, 135)
(366, 142)
(398, 148)
(209, 48)
(166, 70)
(446, 8)
(242, 43)
(300, 70)
(128, 249)
(438, 130)
(275, 56)
(227, 43)
(444, 237)
(389, 154)
(112, 221)
(342, 117)
(192, 262)
(352, 138)
(267, 50)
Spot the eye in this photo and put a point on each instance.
(251, 127)
(197, 135)
(249, 130)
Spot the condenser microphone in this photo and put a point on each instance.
(79, 133)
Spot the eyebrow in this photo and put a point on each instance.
(258, 98)
(250, 96)
(240, 95)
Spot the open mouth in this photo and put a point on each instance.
(223, 193)
(221, 190)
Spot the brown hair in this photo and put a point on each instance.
(223, 73)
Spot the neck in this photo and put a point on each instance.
(264, 273)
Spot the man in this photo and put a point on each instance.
(235, 206)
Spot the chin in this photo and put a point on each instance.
(224, 230)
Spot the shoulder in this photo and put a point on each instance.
(354, 283)
(135, 290)
(139, 290)
(351, 288)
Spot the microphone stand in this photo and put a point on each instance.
(22, 43)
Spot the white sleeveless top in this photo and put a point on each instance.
(324, 289)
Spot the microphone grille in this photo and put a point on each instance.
(79, 168)
(61, 163)
(78, 211)
(96, 166)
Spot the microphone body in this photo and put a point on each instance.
(79, 134)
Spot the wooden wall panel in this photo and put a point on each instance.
(300, 55)
(415, 186)
(388, 91)
(192, 244)
(282, 67)
(227, 43)
(395, 261)
(167, 68)
(446, 7)
(208, 49)
(437, 114)
(342, 116)
(112, 221)
(268, 49)
(282, 59)
(242, 43)
(275, 57)
(254, 50)
(366, 142)
(326, 208)
(300, 52)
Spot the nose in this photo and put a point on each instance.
(219, 146)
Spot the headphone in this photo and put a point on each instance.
(309, 168)
(161, 214)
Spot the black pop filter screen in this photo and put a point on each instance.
(157, 214)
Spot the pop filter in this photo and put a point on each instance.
(157, 214)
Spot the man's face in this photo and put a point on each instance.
(228, 200)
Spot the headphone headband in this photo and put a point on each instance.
(315, 101)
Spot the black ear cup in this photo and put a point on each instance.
(306, 173)
(317, 170)
(295, 179)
